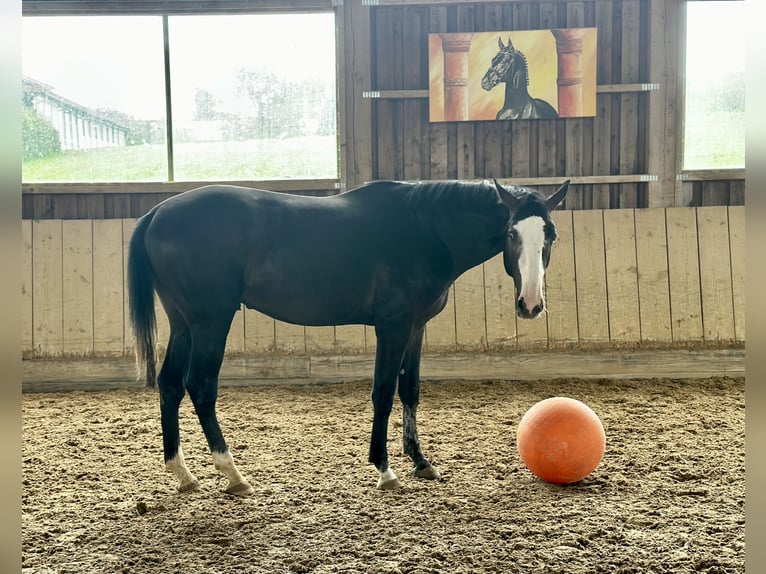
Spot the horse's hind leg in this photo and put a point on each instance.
(170, 382)
(409, 393)
(208, 343)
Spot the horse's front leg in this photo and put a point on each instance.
(391, 345)
(409, 393)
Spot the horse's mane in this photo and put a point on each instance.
(452, 195)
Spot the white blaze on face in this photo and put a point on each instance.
(531, 232)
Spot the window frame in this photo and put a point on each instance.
(165, 9)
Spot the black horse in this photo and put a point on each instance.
(510, 66)
(384, 254)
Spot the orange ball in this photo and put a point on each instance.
(561, 440)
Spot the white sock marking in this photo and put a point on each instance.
(224, 462)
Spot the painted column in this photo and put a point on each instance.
(455, 47)
(569, 50)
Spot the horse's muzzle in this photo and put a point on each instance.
(525, 313)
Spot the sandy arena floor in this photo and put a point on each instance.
(669, 495)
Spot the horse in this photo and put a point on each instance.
(510, 66)
(384, 254)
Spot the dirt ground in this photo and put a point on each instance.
(669, 495)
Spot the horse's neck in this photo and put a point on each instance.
(515, 98)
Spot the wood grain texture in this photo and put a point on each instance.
(27, 283)
(470, 323)
(128, 225)
(560, 284)
(621, 275)
(47, 291)
(715, 273)
(590, 274)
(652, 264)
(500, 308)
(737, 246)
(77, 287)
(684, 274)
(109, 284)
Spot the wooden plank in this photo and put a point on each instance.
(437, 132)
(660, 149)
(590, 274)
(728, 174)
(349, 339)
(602, 147)
(259, 333)
(77, 286)
(500, 307)
(289, 338)
(715, 273)
(357, 144)
(737, 249)
(560, 285)
(684, 274)
(388, 138)
(235, 341)
(631, 24)
(622, 275)
(573, 127)
(128, 225)
(301, 186)
(737, 192)
(470, 324)
(320, 339)
(47, 287)
(652, 264)
(440, 331)
(95, 374)
(27, 325)
(108, 287)
(715, 193)
(415, 74)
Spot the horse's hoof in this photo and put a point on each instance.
(388, 480)
(192, 486)
(393, 484)
(426, 471)
(241, 489)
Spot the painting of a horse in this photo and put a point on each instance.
(384, 254)
(509, 66)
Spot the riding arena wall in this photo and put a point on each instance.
(647, 276)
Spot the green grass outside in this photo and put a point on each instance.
(715, 141)
(307, 158)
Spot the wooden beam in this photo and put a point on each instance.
(712, 175)
(116, 7)
(601, 89)
(282, 185)
(105, 374)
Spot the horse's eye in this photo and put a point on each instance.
(512, 235)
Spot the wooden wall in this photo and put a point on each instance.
(626, 277)
(628, 156)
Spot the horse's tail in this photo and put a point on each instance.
(141, 301)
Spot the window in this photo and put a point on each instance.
(251, 97)
(93, 110)
(714, 131)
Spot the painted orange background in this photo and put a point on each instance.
(539, 47)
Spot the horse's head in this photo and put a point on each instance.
(508, 65)
(530, 237)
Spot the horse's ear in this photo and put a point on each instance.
(552, 202)
(507, 199)
(500, 43)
